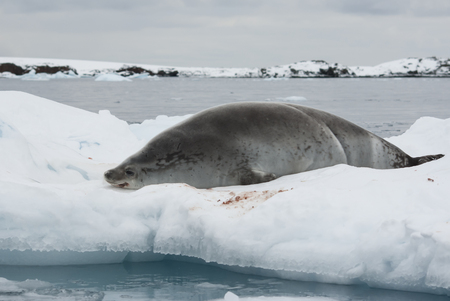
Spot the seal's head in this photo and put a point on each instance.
(124, 176)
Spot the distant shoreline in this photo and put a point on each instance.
(56, 68)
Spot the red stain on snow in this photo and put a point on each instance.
(260, 196)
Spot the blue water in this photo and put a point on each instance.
(387, 107)
(175, 280)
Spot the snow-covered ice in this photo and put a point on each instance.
(44, 76)
(427, 66)
(292, 98)
(41, 290)
(111, 77)
(346, 225)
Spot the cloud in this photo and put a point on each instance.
(229, 33)
(120, 15)
(370, 7)
(231, 7)
(418, 8)
(33, 7)
(217, 7)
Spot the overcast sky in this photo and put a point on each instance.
(225, 33)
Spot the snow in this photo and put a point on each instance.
(92, 68)
(44, 76)
(144, 75)
(428, 66)
(425, 66)
(111, 77)
(345, 225)
(299, 69)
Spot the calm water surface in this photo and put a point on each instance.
(174, 280)
(387, 107)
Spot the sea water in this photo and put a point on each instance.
(175, 280)
(385, 106)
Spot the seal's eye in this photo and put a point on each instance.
(129, 173)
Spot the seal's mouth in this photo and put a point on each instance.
(115, 183)
(123, 185)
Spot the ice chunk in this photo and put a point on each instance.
(33, 76)
(41, 290)
(229, 296)
(386, 228)
(111, 77)
(292, 98)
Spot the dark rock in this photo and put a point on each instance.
(263, 72)
(18, 70)
(444, 65)
(171, 73)
(52, 70)
(330, 72)
(128, 71)
(12, 68)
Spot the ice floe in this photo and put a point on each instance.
(347, 225)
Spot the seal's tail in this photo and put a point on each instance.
(425, 159)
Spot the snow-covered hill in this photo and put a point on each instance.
(32, 68)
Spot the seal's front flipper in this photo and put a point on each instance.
(425, 159)
(254, 176)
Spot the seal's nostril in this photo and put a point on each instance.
(108, 174)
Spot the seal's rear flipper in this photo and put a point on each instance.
(425, 159)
